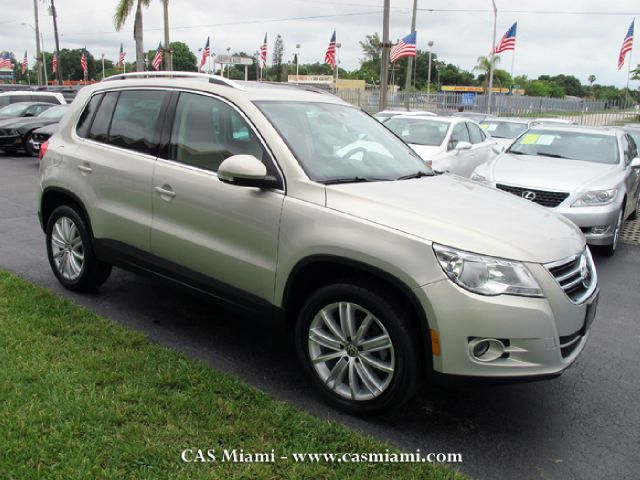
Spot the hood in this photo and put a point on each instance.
(33, 122)
(462, 214)
(545, 173)
(427, 152)
(503, 142)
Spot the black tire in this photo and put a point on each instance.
(28, 147)
(610, 250)
(93, 272)
(407, 375)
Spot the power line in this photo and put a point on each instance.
(531, 12)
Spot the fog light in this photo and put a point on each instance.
(486, 349)
(599, 230)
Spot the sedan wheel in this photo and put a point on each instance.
(609, 250)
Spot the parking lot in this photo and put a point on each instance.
(585, 424)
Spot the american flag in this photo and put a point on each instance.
(627, 45)
(122, 55)
(508, 41)
(404, 48)
(54, 64)
(83, 61)
(205, 53)
(330, 56)
(263, 53)
(5, 60)
(25, 62)
(157, 59)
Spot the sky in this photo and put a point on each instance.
(576, 37)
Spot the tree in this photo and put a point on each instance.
(123, 10)
(591, 79)
(371, 47)
(278, 54)
(183, 59)
(70, 61)
(537, 88)
(485, 64)
(570, 84)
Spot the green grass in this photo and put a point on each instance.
(84, 398)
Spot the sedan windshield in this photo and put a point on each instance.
(338, 143)
(15, 109)
(55, 112)
(588, 147)
(503, 129)
(419, 131)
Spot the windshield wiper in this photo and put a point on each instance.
(415, 175)
(552, 155)
(516, 152)
(356, 179)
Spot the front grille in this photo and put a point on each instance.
(541, 197)
(575, 275)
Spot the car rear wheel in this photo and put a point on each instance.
(609, 250)
(70, 251)
(355, 344)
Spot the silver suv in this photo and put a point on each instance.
(291, 203)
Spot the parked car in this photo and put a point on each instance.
(475, 116)
(41, 135)
(16, 133)
(505, 130)
(552, 121)
(7, 98)
(383, 271)
(385, 115)
(589, 175)
(23, 109)
(447, 144)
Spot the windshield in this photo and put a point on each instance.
(419, 131)
(588, 147)
(503, 129)
(15, 109)
(55, 112)
(333, 142)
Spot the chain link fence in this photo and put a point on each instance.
(581, 111)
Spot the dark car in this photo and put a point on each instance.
(24, 109)
(16, 132)
(41, 135)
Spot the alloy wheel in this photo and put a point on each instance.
(67, 248)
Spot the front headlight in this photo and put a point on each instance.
(596, 198)
(13, 132)
(486, 275)
(479, 179)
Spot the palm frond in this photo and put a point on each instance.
(122, 12)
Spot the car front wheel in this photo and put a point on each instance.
(70, 251)
(355, 344)
(610, 249)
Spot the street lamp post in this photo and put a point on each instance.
(40, 58)
(36, 29)
(229, 64)
(297, 59)
(103, 66)
(429, 71)
(338, 46)
(492, 55)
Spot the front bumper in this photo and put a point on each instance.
(588, 218)
(11, 141)
(544, 335)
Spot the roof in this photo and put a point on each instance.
(508, 120)
(573, 128)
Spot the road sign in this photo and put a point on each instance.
(232, 60)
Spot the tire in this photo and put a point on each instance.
(610, 250)
(27, 146)
(349, 380)
(70, 251)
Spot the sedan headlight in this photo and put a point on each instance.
(596, 198)
(486, 275)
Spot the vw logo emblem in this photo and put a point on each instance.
(529, 195)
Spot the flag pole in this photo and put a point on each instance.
(513, 61)
(626, 92)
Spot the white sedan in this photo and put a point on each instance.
(448, 144)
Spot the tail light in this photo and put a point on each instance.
(43, 150)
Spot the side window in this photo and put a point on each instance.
(36, 110)
(135, 120)
(633, 148)
(207, 131)
(475, 134)
(19, 98)
(84, 121)
(99, 130)
(459, 134)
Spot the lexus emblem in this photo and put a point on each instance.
(529, 195)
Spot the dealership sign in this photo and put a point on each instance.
(232, 60)
(315, 79)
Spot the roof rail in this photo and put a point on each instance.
(216, 79)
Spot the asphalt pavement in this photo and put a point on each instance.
(583, 425)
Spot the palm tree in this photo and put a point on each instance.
(591, 79)
(485, 65)
(123, 10)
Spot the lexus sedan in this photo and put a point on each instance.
(589, 175)
(505, 130)
(448, 144)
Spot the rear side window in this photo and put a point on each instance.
(99, 130)
(82, 128)
(19, 98)
(475, 134)
(135, 120)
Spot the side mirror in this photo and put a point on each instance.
(462, 146)
(635, 163)
(498, 149)
(246, 171)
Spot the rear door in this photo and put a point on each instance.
(213, 230)
(455, 161)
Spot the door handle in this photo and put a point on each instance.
(85, 168)
(165, 191)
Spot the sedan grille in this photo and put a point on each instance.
(542, 197)
(576, 276)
